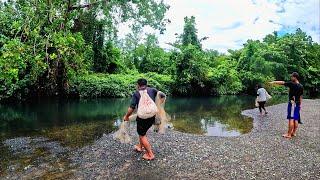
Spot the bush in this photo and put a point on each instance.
(224, 78)
(117, 85)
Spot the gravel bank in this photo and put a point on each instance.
(261, 154)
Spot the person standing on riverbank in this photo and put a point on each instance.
(144, 98)
(294, 104)
(262, 97)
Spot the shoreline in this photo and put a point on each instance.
(260, 154)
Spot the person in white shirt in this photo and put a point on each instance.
(262, 97)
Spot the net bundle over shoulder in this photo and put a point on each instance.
(161, 117)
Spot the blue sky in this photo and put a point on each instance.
(230, 23)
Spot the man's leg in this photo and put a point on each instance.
(260, 107)
(144, 141)
(290, 111)
(296, 119)
(296, 123)
(290, 128)
(139, 146)
(265, 111)
(140, 130)
(299, 121)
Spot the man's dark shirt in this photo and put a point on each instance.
(295, 91)
(152, 92)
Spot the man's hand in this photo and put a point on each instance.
(126, 118)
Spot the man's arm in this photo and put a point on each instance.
(128, 114)
(133, 104)
(277, 82)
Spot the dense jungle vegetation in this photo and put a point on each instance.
(70, 48)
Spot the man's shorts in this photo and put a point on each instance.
(293, 111)
(143, 125)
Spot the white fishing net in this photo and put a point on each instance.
(162, 118)
(122, 134)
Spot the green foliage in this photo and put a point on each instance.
(150, 57)
(45, 44)
(277, 57)
(118, 85)
(191, 72)
(108, 59)
(201, 72)
(48, 48)
(189, 35)
(38, 55)
(224, 77)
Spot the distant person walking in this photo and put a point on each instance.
(294, 104)
(262, 97)
(144, 100)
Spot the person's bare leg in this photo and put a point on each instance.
(149, 154)
(290, 129)
(296, 123)
(139, 146)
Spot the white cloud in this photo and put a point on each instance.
(230, 23)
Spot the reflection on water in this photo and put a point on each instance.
(77, 122)
(212, 116)
(216, 116)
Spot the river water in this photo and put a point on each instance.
(63, 125)
(76, 122)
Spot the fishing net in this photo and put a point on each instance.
(162, 118)
(122, 134)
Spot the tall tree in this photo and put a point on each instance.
(189, 35)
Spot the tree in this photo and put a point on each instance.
(152, 58)
(42, 44)
(189, 35)
(192, 70)
(39, 53)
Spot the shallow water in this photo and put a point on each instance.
(216, 116)
(77, 122)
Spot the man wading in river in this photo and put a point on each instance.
(294, 105)
(144, 100)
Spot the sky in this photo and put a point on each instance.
(230, 23)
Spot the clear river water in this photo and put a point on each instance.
(76, 122)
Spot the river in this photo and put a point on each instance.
(77, 122)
